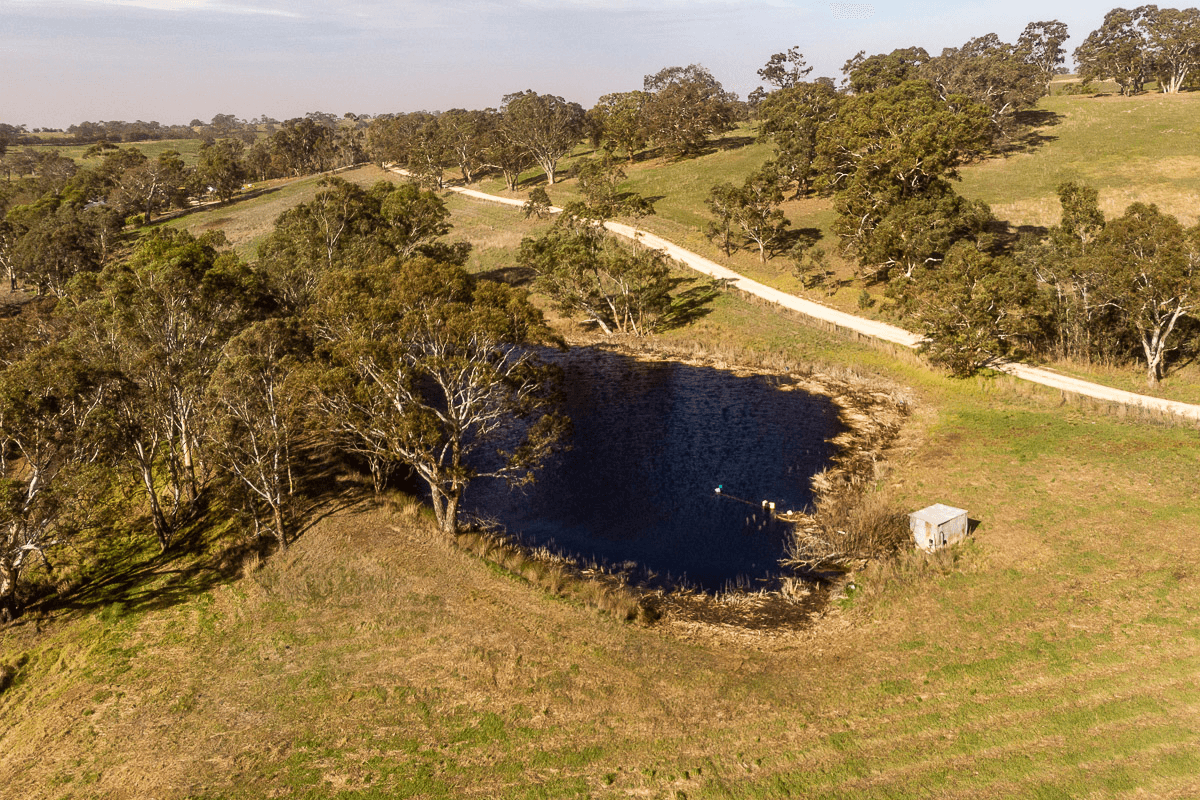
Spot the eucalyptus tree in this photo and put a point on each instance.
(599, 182)
(259, 396)
(1041, 44)
(892, 145)
(52, 404)
(9, 134)
(429, 153)
(305, 145)
(467, 136)
(792, 119)
(751, 210)
(342, 225)
(153, 185)
(546, 126)
(1117, 50)
(722, 202)
(620, 119)
(430, 366)
(1151, 266)
(1172, 44)
(221, 168)
(409, 218)
(508, 155)
(974, 308)
(785, 70)
(588, 273)
(160, 321)
(312, 238)
(866, 74)
(8, 256)
(916, 232)
(687, 107)
(49, 242)
(1085, 323)
(990, 72)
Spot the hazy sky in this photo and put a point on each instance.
(65, 61)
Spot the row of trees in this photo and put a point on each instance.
(887, 148)
(1135, 46)
(202, 380)
(221, 126)
(678, 110)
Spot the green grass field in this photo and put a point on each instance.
(1133, 149)
(1054, 655)
(188, 149)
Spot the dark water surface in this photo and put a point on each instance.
(652, 440)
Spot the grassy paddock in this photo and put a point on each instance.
(1053, 655)
(1050, 656)
(1133, 149)
(248, 220)
(188, 149)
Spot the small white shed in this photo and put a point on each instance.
(937, 526)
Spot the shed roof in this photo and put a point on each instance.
(937, 514)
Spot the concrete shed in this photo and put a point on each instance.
(937, 526)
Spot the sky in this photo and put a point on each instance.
(171, 61)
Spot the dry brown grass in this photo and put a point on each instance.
(247, 221)
(848, 529)
(602, 589)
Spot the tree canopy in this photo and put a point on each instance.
(687, 106)
(546, 126)
(432, 367)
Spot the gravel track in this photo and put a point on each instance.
(868, 327)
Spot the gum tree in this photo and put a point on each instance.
(1152, 269)
(546, 126)
(51, 401)
(429, 366)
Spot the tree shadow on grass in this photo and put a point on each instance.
(708, 148)
(800, 237)
(512, 276)
(734, 142)
(691, 304)
(1030, 136)
(123, 570)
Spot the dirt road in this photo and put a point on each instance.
(869, 327)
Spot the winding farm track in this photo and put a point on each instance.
(867, 327)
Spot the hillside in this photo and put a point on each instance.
(1052, 656)
(1132, 149)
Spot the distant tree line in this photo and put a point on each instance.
(176, 383)
(221, 126)
(678, 111)
(58, 218)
